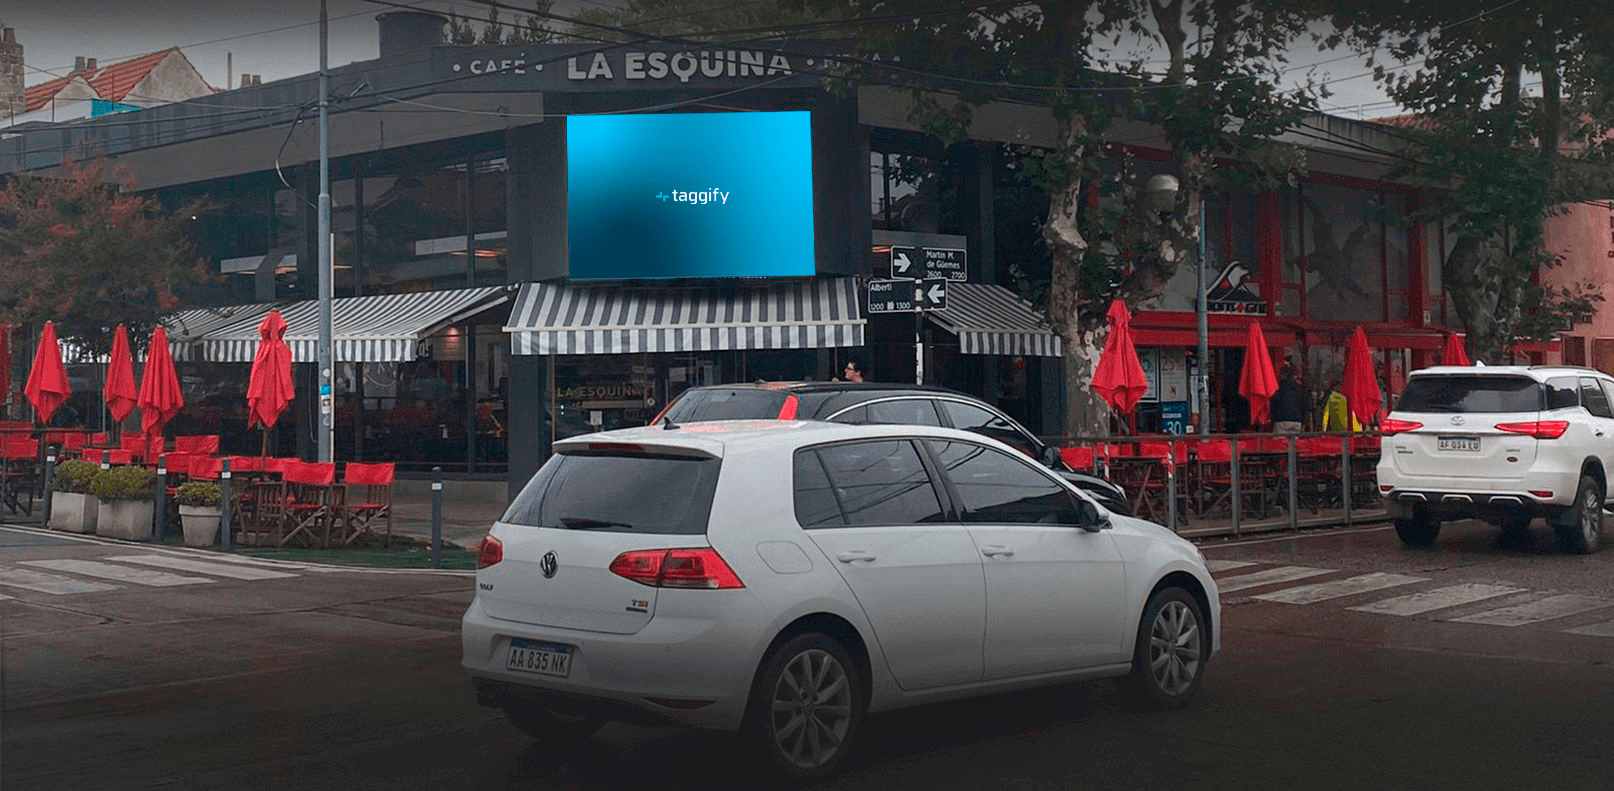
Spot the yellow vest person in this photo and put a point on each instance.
(1337, 414)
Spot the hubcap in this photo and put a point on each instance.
(812, 709)
(1174, 648)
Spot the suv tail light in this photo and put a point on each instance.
(676, 568)
(1540, 429)
(788, 410)
(1392, 425)
(489, 552)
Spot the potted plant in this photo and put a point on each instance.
(72, 508)
(199, 512)
(126, 493)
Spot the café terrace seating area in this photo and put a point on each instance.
(1247, 477)
(274, 501)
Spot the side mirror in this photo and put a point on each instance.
(1050, 458)
(1089, 517)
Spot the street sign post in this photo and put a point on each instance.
(905, 296)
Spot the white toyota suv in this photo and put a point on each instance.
(1501, 443)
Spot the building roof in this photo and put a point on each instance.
(112, 83)
(1408, 121)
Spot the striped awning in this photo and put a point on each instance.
(553, 318)
(187, 328)
(383, 328)
(991, 319)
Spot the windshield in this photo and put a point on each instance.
(619, 493)
(1471, 394)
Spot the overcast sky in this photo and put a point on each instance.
(280, 38)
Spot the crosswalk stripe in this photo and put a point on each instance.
(3, 597)
(92, 568)
(1267, 577)
(50, 583)
(1437, 599)
(1334, 589)
(1541, 610)
(1215, 566)
(1595, 630)
(203, 567)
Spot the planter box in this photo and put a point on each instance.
(201, 524)
(126, 519)
(73, 512)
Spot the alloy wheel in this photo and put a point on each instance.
(812, 709)
(1174, 655)
(1591, 516)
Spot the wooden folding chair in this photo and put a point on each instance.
(19, 472)
(372, 483)
(310, 503)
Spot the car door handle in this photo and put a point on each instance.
(997, 551)
(854, 556)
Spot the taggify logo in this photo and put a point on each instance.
(713, 195)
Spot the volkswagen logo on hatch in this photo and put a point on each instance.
(1457, 420)
(549, 564)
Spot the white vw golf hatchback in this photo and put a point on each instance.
(784, 578)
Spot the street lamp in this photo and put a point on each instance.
(1160, 195)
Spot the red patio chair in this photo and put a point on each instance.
(373, 485)
(197, 443)
(307, 500)
(19, 472)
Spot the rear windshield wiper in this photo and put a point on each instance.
(584, 523)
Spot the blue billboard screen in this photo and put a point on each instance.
(678, 195)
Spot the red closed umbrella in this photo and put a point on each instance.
(47, 387)
(1119, 377)
(269, 386)
(1360, 386)
(160, 398)
(1455, 352)
(1257, 382)
(119, 391)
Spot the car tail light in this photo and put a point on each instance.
(1385, 488)
(1392, 425)
(1540, 429)
(1545, 494)
(676, 568)
(489, 552)
(788, 411)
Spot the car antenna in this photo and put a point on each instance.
(668, 425)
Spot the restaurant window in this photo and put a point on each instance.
(415, 224)
(905, 192)
(1397, 258)
(1344, 252)
(1290, 300)
(1232, 265)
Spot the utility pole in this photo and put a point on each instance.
(327, 271)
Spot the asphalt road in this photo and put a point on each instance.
(1474, 666)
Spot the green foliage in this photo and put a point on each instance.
(125, 482)
(536, 27)
(74, 476)
(80, 250)
(198, 493)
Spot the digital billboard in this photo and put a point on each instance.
(696, 195)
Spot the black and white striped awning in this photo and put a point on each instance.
(383, 328)
(187, 328)
(991, 319)
(552, 318)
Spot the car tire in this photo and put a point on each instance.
(1417, 530)
(548, 726)
(805, 708)
(1173, 645)
(1583, 529)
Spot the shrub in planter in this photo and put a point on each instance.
(199, 512)
(126, 493)
(72, 508)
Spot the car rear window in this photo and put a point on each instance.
(634, 493)
(1465, 393)
(739, 403)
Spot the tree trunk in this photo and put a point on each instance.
(1083, 411)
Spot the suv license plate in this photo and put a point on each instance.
(1458, 443)
(545, 659)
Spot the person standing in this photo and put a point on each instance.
(1289, 404)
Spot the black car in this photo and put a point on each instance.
(879, 402)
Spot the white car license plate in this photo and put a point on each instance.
(1458, 443)
(545, 659)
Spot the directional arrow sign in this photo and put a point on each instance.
(903, 263)
(931, 293)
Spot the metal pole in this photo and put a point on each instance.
(1201, 383)
(1294, 486)
(161, 511)
(1171, 488)
(1238, 492)
(50, 474)
(437, 517)
(326, 272)
(918, 338)
(224, 503)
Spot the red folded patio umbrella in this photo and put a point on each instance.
(119, 391)
(47, 387)
(1257, 382)
(1119, 377)
(269, 385)
(1360, 385)
(1455, 352)
(160, 398)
